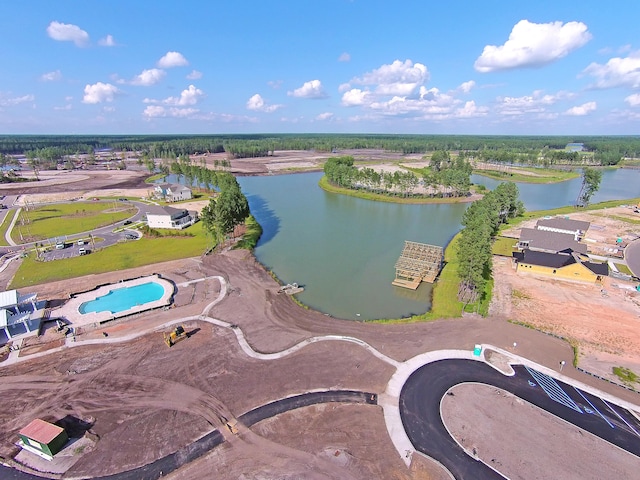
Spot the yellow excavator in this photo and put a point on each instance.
(178, 334)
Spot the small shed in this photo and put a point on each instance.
(43, 438)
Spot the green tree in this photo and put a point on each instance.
(591, 179)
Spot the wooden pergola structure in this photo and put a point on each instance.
(418, 262)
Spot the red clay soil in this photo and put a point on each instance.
(145, 400)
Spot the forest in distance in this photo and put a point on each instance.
(532, 150)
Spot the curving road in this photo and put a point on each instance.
(420, 411)
(632, 256)
(203, 445)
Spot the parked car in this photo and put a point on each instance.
(81, 242)
(60, 245)
(127, 222)
(83, 251)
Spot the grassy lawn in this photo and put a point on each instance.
(326, 186)
(503, 246)
(132, 254)
(540, 175)
(5, 226)
(622, 268)
(61, 219)
(569, 210)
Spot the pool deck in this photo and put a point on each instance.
(70, 311)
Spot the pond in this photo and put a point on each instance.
(343, 249)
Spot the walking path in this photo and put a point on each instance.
(389, 400)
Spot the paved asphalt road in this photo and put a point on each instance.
(203, 445)
(632, 256)
(420, 411)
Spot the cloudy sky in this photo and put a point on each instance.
(344, 66)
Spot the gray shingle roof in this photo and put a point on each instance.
(551, 241)
(563, 224)
(544, 259)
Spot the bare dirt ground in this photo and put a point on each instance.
(144, 400)
(603, 321)
(477, 415)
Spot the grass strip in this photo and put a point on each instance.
(540, 175)
(131, 254)
(60, 219)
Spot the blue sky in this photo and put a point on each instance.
(374, 66)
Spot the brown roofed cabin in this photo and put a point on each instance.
(43, 438)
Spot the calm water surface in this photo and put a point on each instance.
(616, 184)
(343, 249)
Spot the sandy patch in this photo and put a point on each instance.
(496, 424)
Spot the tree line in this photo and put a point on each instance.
(444, 176)
(501, 148)
(342, 172)
(227, 210)
(481, 222)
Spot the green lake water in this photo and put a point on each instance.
(343, 249)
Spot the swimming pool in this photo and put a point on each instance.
(123, 299)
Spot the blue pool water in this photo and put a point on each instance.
(122, 299)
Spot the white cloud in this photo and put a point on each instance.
(467, 86)
(155, 111)
(107, 41)
(275, 84)
(148, 77)
(344, 87)
(537, 102)
(398, 78)
(99, 92)
(345, 57)
(470, 110)
(108, 109)
(633, 100)
(194, 75)
(51, 76)
(257, 103)
(189, 96)
(617, 72)
(64, 107)
(172, 59)
(581, 110)
(66, 32)
(324, 116)
(311, 89)
(533, 44)
(354, 97)
(11, 101)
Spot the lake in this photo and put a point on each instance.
(343, 249)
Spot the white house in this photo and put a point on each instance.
(169, 217)
(20, 314)
(172, 192)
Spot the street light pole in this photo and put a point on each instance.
(562, 364)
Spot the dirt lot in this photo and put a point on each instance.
(497, 414)
(143, 400)
(603, 321)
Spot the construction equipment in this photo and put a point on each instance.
(233, 427)
(179, 333)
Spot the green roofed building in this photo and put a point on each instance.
(43, 438)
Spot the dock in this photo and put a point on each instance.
(418, 263)
(291, 289)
